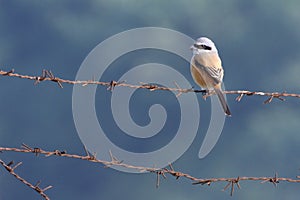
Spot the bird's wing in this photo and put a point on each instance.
(215, 73)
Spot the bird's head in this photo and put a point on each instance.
(203, 45)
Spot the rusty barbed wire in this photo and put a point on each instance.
(47, 75)
(160, 172)
(11, 170)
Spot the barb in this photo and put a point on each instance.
(49, 76)
(35, 187)
(231, 182)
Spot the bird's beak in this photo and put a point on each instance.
(192, 47)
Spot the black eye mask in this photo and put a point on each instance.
(202, 46)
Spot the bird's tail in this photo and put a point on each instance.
(222, 101)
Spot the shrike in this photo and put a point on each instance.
(207, 70)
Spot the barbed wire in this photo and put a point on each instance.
(49, 76)
(160, 172)
(11, 170)
(232, 183)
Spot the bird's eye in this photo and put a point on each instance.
(202, 46)
(205, 47)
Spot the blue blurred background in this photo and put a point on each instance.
(259, 42)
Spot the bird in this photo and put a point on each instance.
(206, 68)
